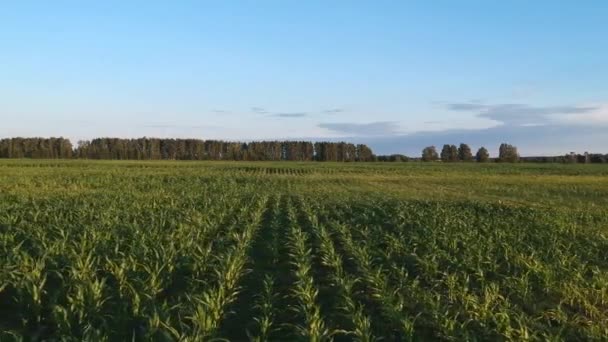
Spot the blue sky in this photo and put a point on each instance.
(397, 74)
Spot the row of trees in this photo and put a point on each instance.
(183, 149)
(195, 149)
(571, 158)
(392, 158)
(44, 148)
(451, 153)
(586, 158)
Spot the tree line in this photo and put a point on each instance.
(40, 148)
(571, 158)
(451, 153)
(196, 149)
(184, 149)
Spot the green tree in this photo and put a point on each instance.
(364, 153)
(449, 153)
(482, 155)
(508, 153)
(48, 148)
(429, 153)
(464, 153)
(398, 158)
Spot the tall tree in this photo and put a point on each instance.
(482, 155)
(508, 153)
(464, 153)
(449, 153)
(364, 153)
(429, 153)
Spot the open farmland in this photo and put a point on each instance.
(191, 251)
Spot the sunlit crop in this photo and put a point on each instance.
(195, 251)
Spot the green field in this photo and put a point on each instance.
(192, 251)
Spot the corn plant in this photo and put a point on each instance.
(305, 291)
(191, 251)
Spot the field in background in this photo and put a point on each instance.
(187, 251)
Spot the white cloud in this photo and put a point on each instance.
(526, 115)
(378, 128)
(598, 116)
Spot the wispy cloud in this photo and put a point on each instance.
(466, 107)
(379, 128)
(298, 114)
(259, 110)
(520, 114)
(264, 111)
(333, 111)
(290, 115)
(177, 126)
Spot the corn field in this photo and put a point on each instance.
(235, 251)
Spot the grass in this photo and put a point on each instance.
(189, 251)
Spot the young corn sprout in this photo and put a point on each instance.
(200, 251)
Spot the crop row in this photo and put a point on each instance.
(232, 260)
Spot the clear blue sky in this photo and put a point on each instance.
(396, 74)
